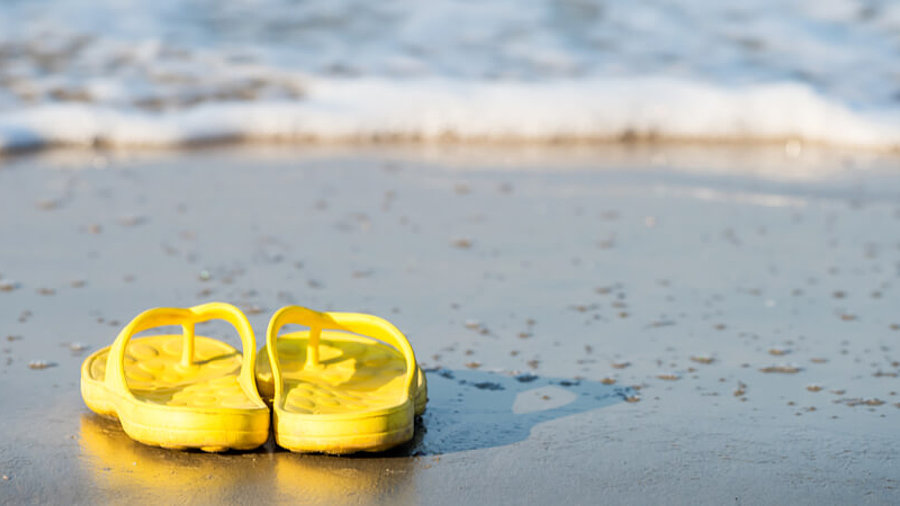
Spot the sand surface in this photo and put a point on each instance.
(601, 325)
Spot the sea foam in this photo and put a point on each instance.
(175, 72)
(433, 110)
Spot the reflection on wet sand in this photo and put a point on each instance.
(323, 479)
(468, 410)
(124, 468)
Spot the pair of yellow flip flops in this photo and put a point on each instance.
(350, 383)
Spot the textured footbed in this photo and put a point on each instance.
(356, 374)
(155, 375)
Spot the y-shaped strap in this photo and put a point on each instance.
(358, 323)
(187, 318)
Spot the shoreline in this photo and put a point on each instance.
(790, 144)
(784, 156)
(377, 110)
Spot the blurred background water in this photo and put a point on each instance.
(177, 71)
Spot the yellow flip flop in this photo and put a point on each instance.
(350, 383)
(180, 391)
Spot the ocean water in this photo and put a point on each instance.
(173, 72)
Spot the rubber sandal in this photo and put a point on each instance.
(295, 349)
(350, 383)
(180, 391)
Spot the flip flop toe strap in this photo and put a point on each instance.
(187, 318)
(357, 323)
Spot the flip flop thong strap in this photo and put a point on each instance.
(357, 323)
(187, 318)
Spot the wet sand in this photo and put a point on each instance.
(681, 324)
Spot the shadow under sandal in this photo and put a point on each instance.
(350, 383)
(180, 391)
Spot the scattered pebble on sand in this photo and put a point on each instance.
(858, 401)
(782, 369)
(8, 285)
(48, 204)
(131, 220)
(40, 364)
(608, 243)
(462, 188)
